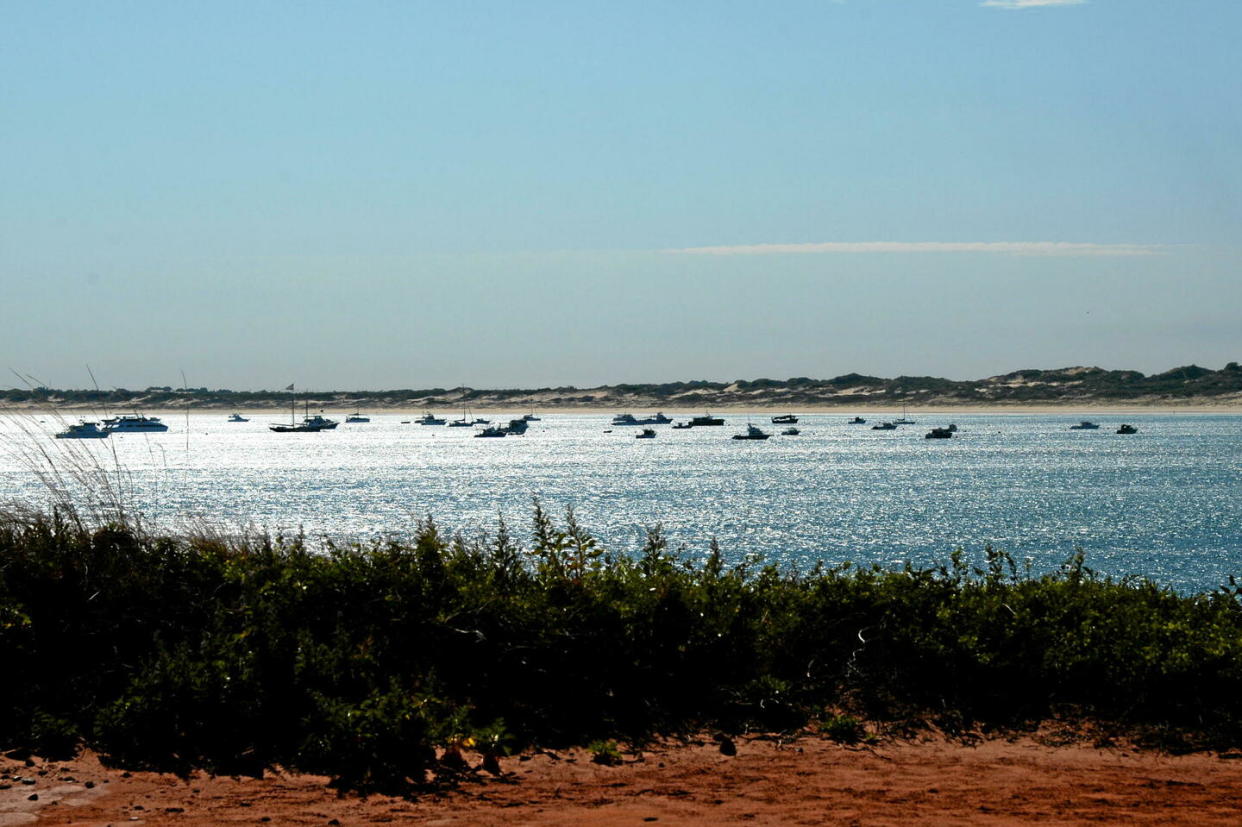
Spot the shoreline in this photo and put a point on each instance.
(514, 411)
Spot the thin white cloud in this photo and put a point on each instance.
(1013, 248)
(1029, 4)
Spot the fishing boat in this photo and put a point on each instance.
(785, 419)
(884, 426)
(492, 431)
(938, 433)
(858, 420)
(308, 425)
(1085, 426)
(752, 433)
(356, 416)
(430, 419)
(646, 433)
(83, 430)
(681, 426)
(237, 418)
(517, 427)
(706, 419)
(1127, 429)
(134, 423)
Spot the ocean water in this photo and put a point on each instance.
(1165, 503)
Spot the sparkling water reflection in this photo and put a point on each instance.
(1163, 503)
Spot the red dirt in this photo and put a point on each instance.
(810, 781)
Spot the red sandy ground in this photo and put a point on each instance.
(810, 781)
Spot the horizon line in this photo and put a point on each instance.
(1013, 248)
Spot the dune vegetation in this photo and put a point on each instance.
(377, 664)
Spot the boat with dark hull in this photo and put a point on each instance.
(752, 432)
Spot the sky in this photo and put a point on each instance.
(413, 194)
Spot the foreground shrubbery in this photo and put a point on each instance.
(359, 662)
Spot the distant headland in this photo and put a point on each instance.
(1186, 386)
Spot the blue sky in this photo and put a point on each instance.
(411, 194)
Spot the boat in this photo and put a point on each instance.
(646, 433)
(1085, 426)
(492, 430)
(790, 432)
(902, 420)
(430, 419)
(630, 419)
(858, 420)
(785, 419)
(1127, 429)
(134, 423)
(705, 420)
(752, 433)
(465, 422)
(308, 425)
(938, 433)
(517, 427)
(356, 417)
(952, 428)
(237, 418)
(530, 417)
(83, 430)
(681, 426)
(884, 426)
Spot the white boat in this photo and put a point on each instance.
(134, 424)
(356, 416)
(308, 425)
(83, 430)
(237, 418)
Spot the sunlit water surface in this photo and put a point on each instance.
(1165, 503)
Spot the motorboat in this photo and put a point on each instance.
(517, 427)
(884, 426)
(707, 419)
(83, 430)
(1085, 426)
(630, 419)
(530, 417)
(134, 424)
(646, 433)
(790, 432)
(682, 426)
(356, 417)
(430, 419)
(752, 433)
(785, 419)
(938, 433)
(320, 422)
(858, 420)
(492, 430)
(237, 418)
(1127, 429)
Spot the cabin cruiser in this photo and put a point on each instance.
(134, 423)
(492, 430)
(647, 433)
(356, 416)
(517, 427)
(884, 426)
(83, 430)
(237, 418)
(858, 420)
(752, 433)
(430, 419)
(321, 423)
(1127, 429)
(938, 433)
(1085, 426)
(785, 419)
(707, 419)
(630, 419)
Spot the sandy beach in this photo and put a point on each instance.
(1028, 779)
